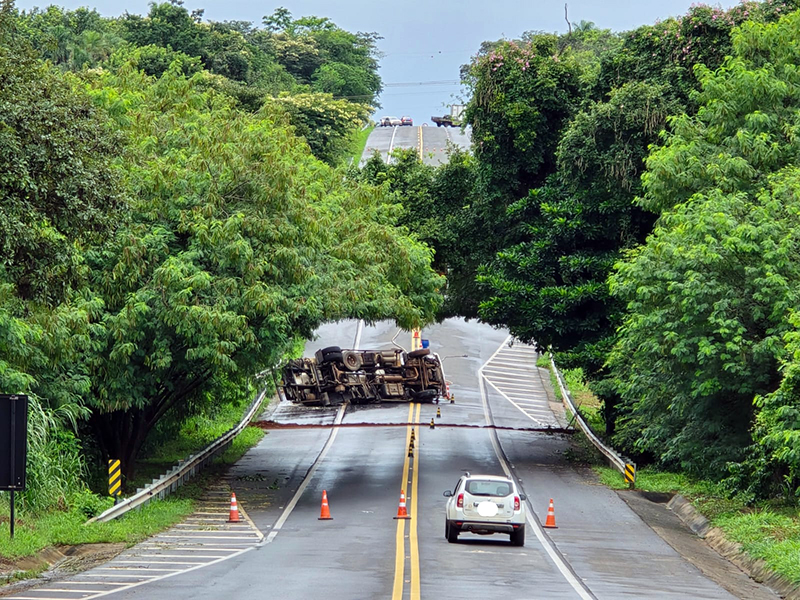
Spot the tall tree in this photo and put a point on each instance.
(240, 242)
(710, 292)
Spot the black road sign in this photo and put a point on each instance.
(13, 441)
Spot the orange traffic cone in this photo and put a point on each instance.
(402, 513)
(550, 523)
(234, 517)
(325, 511)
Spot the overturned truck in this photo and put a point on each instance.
(334, 376)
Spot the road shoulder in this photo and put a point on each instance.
(693, 548)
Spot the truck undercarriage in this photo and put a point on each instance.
(334, 376)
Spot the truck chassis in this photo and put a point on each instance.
(334, 376)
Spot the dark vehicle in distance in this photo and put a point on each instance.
(335, 375)
(446, 120)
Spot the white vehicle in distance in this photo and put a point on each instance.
(390, 122)
(485, 504)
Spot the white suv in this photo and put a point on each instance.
(485, 504)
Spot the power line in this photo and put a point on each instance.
(413, 83)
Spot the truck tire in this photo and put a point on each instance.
(438, 124)
(418, 353)
(426, 395)
(330, 354)
(518, 537)
(332, 357)
(351, 360)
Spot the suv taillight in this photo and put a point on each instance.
(516, 502)
(460, 501)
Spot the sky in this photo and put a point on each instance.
(424, 42)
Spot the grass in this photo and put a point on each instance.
(358, 143)
(35, 532)
(588, 404)
(194, 434)
(769, 531)
(69, 528)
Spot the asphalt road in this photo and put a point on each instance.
(601, 549)
(431, 141)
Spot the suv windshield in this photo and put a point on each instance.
(485, 487)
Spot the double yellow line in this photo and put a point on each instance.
(421, 146)
(400, 542)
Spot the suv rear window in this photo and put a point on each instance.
(485, 487)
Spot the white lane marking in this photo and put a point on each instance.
(203, 548)
(76, 582)
(506, 369)
(209, 537)
(145, 577)
(359, 331)
(504, 379)
(391, 144)
(167, 575)
(293, 502)
(559, 562)
(115, 569)
(522, 410)
(158, 562)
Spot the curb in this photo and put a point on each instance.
(756, 568)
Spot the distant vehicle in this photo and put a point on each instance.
(485, 504)
(406, 121)
(390, 122)
(446, 120)
(453, 119)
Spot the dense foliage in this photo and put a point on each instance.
(327, 76)
(631, 205)
(163, 243)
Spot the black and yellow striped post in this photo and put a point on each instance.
(114, 478)
(630, 474)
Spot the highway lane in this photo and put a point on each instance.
(364, 553)
(431, 142)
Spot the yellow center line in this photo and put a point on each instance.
(412, 534)
(420, 143)
(400, 542)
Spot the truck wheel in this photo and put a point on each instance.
(418, 353)
(329, 354)
(332, 357)
(438, 124)
(426, 395)
(351, 360)
(518, 537)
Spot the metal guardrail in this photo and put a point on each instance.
(614, 459)
(183, 471)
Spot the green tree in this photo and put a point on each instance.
(714, 285)
(240, 242)
(57, 190)
(708, 299)
(325, 123)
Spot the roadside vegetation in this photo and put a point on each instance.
(767, 529)
(631, 205)
(359, 143)
(175, 218)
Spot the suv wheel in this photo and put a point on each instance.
(450, 532)
(518, 537)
